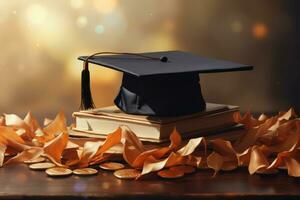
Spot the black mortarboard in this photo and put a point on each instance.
(157, 83)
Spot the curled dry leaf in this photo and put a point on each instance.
(14, 121)
(181, 157)
(93, 152)
(293, 166)
(54, 148)
(258, 161)
(215, 161)
(55, 127)
(277, 136)
(47, 121)
(31, 122)
(27, 154)
(268, 143)
(158, 153)
(223, 156)
(2, 153)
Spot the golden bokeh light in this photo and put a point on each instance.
(236, 26)
(105, 6)
(48, 34)
(81, 21)
(76, 4)
(36, 14)
(99, 74)
(260, 31)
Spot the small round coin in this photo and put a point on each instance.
(127, 173)
(58, 171)
(111, 166)
(85, 171)
(35, 160)
(170, 174)
(41, 166)
(186, 169)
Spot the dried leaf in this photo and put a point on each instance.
(258, 160)
(215, 161)
(57, 126)
(293, 166)
(181, 157)
(31, 122)
(47, 121)
(158, 153)
(94, 152)
(190, 147)
(2, 154)
(54, 148)
(16, 122)
(277, 137)
(27, 154)
(225, 150)
(132, 145)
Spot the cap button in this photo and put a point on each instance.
(164, 59)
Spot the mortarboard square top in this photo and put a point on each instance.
(160, 87)
(178, 62)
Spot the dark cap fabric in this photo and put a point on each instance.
(156, 88)
(178, 62)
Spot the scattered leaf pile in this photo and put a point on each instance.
(269, 143)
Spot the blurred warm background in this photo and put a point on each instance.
(41, 40)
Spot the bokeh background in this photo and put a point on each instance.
(40, 41)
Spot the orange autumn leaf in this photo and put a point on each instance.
(54, 148)
(93, 151)
(71, 156)
(158, 153)
(47, 121)
(269, 143)
(190, 147)
(111, 140)
(89, 151)
(248, 120)
(27, 154)
(223, 156)
(2, 153)
(258, 160)
(215, 161)
(7, 133)
(55, 127)
(293, 166)
(181, 157)
(7, 136)
(287, 115)
(14, 121)
(132, 146)
(31, 122)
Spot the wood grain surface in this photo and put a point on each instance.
(19, 182)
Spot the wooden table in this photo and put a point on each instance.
(19, 182)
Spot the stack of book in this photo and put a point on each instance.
(215, 122)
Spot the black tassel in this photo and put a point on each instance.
(86, 95)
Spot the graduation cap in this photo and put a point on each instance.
(156, 83)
